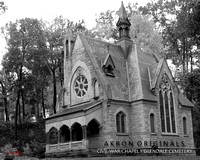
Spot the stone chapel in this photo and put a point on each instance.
(116, 96)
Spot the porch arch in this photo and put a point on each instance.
(93, 128)
(64, 134)
(53, 135)
(77, 133)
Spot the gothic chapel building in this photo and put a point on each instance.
(116, 93)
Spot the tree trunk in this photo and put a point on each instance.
(54, 91)
(16, 113)
(19, 113)
(183, 56)
(43, 105)
(5, 101)
(6, 108)
(23, 105)
(191, 61)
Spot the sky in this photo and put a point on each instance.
(73, 10)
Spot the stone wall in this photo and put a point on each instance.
(79, 59)
(138, 125)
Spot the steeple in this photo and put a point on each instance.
(123, 24)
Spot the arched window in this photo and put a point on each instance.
(166, 101)
(184, 125)
(96, 89)
(120, 122)
(64, 97)
(152, 123)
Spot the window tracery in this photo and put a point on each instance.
(81, 85)
(167, 110)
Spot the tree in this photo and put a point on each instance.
(54, 33)
(143, 30)
(23, 36)
(105, 27)
(175, 19)
(4, 89)
(190, 82)
(146, 35)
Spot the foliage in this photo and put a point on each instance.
(191, 85)
(3, 7)
(6, 133)
(196, 127)
(177, 21)
(146, 35)
(31, 140)
(105, 26)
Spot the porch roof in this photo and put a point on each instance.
(76, 108)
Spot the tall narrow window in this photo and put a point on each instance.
(120, 122)
(152, 123)
(162, 111)
(96, 89)
(184, 125)
(167, 110)
(172, 113)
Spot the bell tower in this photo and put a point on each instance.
(123, 25)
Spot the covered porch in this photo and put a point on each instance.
(74, 134)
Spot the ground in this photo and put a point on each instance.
(120, 158)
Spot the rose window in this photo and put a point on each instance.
(81, 86)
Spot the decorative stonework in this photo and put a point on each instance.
(81, 85)
(165, 83)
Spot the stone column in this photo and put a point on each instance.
(70, 138)
(47, 138)
(85, 141)
(59, 136)
(84, 130)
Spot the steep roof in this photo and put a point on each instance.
(144, 61)
(184, 101)
(99, 51)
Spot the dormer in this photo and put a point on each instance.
(108, 66)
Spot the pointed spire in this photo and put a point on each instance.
(122, 12)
